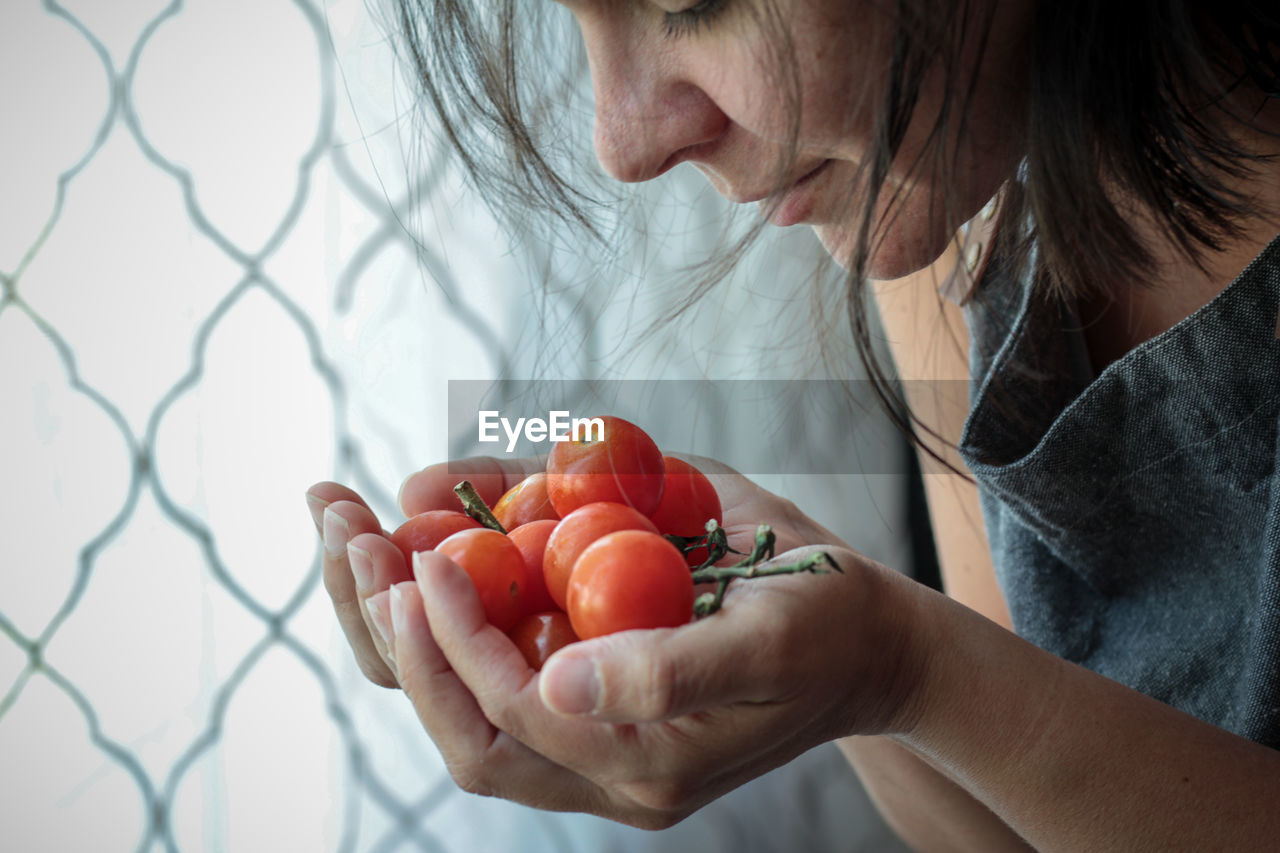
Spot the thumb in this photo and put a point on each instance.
(652, 675)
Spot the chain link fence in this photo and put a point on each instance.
(219, 283)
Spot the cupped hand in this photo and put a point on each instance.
(352, 576)
(643, 727)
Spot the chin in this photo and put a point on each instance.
(897, 255)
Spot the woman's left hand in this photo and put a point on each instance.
(645, 727)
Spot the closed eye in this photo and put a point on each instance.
(689, 21)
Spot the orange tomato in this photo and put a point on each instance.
(575, 532)
(524, 502)
(540, 635)
(688, 500)
(625, 466)
(531, 539)
(495, 566)
(426, 530)
(626, 580)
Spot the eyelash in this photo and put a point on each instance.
(693, 19)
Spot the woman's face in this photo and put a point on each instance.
(699, 81)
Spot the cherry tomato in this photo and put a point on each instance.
(531, 539)
(540, 635)
(578, 530)
(688, 500)
(624, 467)
(630, 579)
(426, 530)
(496, 568)
(524, 502)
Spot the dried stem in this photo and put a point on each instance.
(475, 506)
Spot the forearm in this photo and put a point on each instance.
(926, 809)
(1073, 761)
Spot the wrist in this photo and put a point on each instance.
(982, 697)
(897, 651)
(918, 653)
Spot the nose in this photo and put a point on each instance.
(648, 116)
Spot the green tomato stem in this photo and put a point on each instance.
(751, 567)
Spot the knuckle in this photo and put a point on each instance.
(656, 699)
(504, 717)
(337, 581)
(774, 663)
(350, 511)
(377, 672)
(788, 509)
(471, 778)
(332, 584)
(665, 802)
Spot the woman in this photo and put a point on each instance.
(1125, 456)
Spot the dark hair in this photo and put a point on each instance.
(1115, 116)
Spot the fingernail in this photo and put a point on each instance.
(418, 569)
(570, 686)
(376, 605)
(361, 567)
(317, 506)
(398, 615)
(336, 533)
(416, 566)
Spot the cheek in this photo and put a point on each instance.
(834, 61)
(842, 60)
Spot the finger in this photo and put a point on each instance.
(510, 694)
(493, 669)
(322, 494)
(432, 487)
(342, 521)
(469, 642)
(653, 675)
(494, 675)
(376, 565)
(648, 775)
(447, 709)
(481, 758)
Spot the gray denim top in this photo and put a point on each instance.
(1134, 517)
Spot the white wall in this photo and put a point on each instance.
(209, 307)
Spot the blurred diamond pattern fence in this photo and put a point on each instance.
(211, 297)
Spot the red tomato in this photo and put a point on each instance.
(524, 502)
(688, 500)
(540, 635)
(624, 467)
(630, 579)
(578, 530)
(426, 530)
(531, 539)
(496, 568)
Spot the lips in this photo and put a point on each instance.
(795, 204)
(738, 197)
